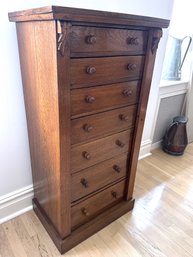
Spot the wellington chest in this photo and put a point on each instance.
(86, 78)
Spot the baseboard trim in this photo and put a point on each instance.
(16, 203)
(145, 149)
(156, 145)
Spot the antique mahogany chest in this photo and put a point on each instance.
(86, 78)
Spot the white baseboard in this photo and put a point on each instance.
(145, 149)
(15, 203)
(156, 145)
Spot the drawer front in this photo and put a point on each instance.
(94, 99)
(92, 39)
(89, 208)
(85, 71)
(98, 176)
(86, 155)
(98, 125)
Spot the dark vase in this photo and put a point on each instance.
(175, 139)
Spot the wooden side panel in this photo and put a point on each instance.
(63, 66)
(37, 48)
(153, 40)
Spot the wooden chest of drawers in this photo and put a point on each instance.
(86, 78)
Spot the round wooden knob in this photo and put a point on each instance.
(90, 70)
(89, 99)
(117, 168)
(85, 212)
(127, 92)
(84, 182)
(119, 143)
(91, 39)
(86, 155)
(131, 66)
(114, 194)
(124, 117)
(133, 41)
(87, 127)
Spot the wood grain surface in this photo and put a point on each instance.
(75, 14)
(107, 69)
(100, 150)
(40, 83)
(98, 176)
(87, 209)
(92, 39)
(103, 124)
(105, 97)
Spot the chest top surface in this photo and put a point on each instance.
(76, 14)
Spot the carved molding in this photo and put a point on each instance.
(155, 41)
(63, 31)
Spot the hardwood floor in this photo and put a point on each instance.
(161, 223)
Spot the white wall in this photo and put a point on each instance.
(181, 26)
(15, 171)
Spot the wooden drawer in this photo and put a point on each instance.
(99, 125)
(86, 155)
(94, 99)
(98, 176)
(92, 39)
(85, 71)
(87, 209)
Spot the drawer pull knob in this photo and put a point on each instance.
(85, 212)
(86, 155)
(133, 41)
(119, 143)
(91, 70)
(87, 127)
(114, 194)
(124, 117)
(127, 92)
(131, 66)
(84, 182)
(89, 99)
(117, 168)
(91, 39)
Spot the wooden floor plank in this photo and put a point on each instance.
(161, 223)
(5, 248)
(39, 234)
(15, 243)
